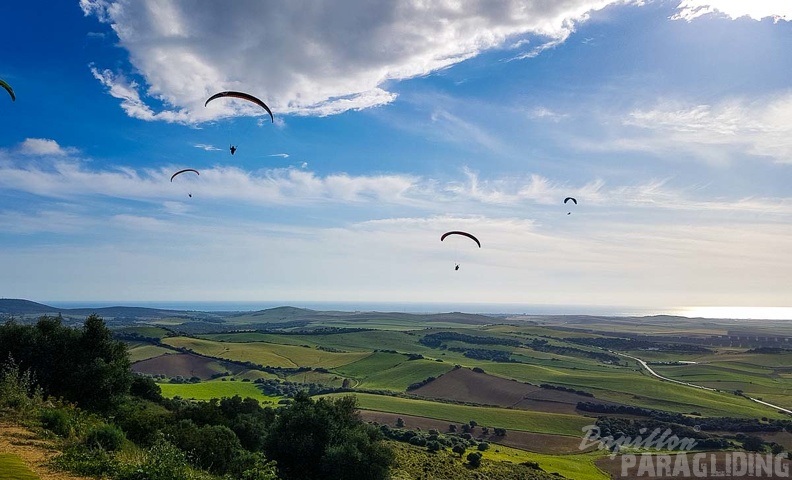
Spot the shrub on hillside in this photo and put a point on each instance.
(58, 421)
(105, 437)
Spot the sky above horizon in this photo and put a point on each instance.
(669, 121)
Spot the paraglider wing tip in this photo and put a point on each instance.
(8, 89)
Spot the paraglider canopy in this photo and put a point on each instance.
(243, 96)
(570, 198)
(465, 234)
(182, 171)
(8, 89)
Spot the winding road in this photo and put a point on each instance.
(649, 369)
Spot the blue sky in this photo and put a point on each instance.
(669, 121)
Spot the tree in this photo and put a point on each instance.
(86, 366)
(459, 449)
(326, 439)
(474, 459)
(753, 443)
(145, 388)
(400, 422)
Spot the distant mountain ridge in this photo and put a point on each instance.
(14, 306)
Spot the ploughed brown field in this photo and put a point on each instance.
(532, 442)
(185, 364)
(465, 385)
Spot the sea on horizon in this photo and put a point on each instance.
(767, 313)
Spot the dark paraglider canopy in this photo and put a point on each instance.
(8, 89)
(182, 171)
(243, 96)
(465, 234)
(570, 198)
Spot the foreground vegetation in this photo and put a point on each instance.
(130, 432)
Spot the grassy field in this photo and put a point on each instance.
(13, 468)
(215, 389)
(146, 351)
(578, 466)
(269, 354)
(497, 463)
(493, 417)
(628, 386)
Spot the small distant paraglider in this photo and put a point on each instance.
(464, 234)
(573, 201)
(233, 149)
(8, 89)
(183, 171)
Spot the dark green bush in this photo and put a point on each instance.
(58, 421)
(105, 437)
(79, 460)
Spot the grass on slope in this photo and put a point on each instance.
(268, 354)
(403, 375)
(635, 388)
(145, 351)
(524, 420)
(13, 468)
(214, 389)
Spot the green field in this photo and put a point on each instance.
(579, 466)
(268, 354)
(636, 388)
(215, 389)
(498, 463)
(524, 420)
(401, 376)
(146, 351)
(13, 468)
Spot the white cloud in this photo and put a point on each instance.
(309, 58)
(282, 155)
(206, 147)
(755, 9)
(297, 188)
(760, 127)
(43, 146)
(119, 87)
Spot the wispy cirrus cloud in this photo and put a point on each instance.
(67, 179)
(760, 127)
(207, 147)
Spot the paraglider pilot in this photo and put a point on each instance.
(456, 267)
(233, 149)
